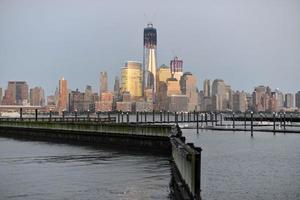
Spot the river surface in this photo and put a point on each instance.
(234, 166)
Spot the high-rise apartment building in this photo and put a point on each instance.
(103, 82)
(297, 99)
(206, 88)
(131, 79)
(37, 97)
(62, 95)
(289, 100)
(150, 59)
(16, 93)
(176, 66)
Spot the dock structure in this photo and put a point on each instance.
(160, 138)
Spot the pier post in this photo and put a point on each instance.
(50, 115)
(21, 113)
(75, 115)
(291, 118)
(280, 116)
(36, 114)
(206, 119)
(160, 116)
(88, 115)
(98, 116)
(63, 115)
(118, 116)
(221, 119)
(137, 116)
(212, 119)
(194, 115)
(233, 120)
(251, 123)
(153, 116)
(274, 122)
(284, 121)
(181, 116)
(245, 120)
(108, 115)
(176, 118)
(202, 119)
(145, 113)
(127, 117)
(164, 116)
(122, 116)
(168, 116)
(197, 117)
(216, 119)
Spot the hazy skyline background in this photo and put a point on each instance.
(245, 42)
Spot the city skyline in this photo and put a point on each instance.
(260, 54)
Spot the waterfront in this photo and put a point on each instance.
(234, 166)
(40, 170)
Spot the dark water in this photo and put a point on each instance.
(234, 166)
(40, 170)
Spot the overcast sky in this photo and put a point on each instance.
(245, 42)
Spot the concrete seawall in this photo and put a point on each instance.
(162, 139)
(152, 138)
(186, 169)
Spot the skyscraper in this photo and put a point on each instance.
(218, 94)
(37, 97)
(176, 68)
(289, 100)
(103, 82)
(117, 88)
(188, 85)
(62, 95)
(16, 93)
(131, 80)
(149, 59)
(239, 101)
(1, 95)
(206, 88)
(297, 99)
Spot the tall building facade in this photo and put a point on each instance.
(62, 95)
(176, 66)
(131, 79)
(117, 88)
(163, 74)
(150, 59)
(188, 85)
(239, 101)
(260, 98)
(37, 96)
(16, 93)
(1, 95)
(297, 99)
(289, 100)
(103, 82)
(218, 94)
(206, 88)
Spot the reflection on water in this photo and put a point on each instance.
(39, 170)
